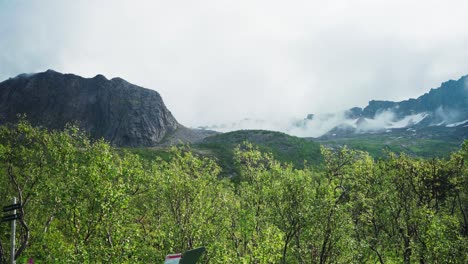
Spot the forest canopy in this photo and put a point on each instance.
(85, 201)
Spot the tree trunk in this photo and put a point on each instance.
(407, 252)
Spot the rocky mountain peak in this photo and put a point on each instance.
(442, 108)
(123, 113)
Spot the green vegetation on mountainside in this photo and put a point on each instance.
(283, 147)
(296, 150)
(378, 145)
(83, 201)
(150, 154)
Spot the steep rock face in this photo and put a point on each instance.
(450, 96)
(353, 113)
(441, 109)
(120, 112)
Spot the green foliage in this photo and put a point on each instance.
(149, 154)
(283, 147)
(378, 145)
(86, 202)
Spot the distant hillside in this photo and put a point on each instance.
(432, 125)
(116, 110)
(443, 108)
(451, 97)
(430, 143)
(284, 148)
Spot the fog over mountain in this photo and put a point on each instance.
(218, 61)
(445, 106)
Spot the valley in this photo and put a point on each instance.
(110, 175)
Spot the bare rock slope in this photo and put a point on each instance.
(116, 110)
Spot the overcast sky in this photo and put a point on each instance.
(219, 61)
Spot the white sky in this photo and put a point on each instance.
(220, 61)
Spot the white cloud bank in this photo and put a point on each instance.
(324, 123)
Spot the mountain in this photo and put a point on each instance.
(451, 96)
(432, 125)
(116, 110)
(446, 106)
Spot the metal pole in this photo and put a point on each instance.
(13, 234)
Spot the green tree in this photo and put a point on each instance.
(187, 206)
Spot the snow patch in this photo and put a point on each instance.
(409, 120)
(387, 120)
(457, 124)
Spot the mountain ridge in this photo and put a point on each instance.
(129, 115)
(116, 110)
(446, 105)
(451, 94)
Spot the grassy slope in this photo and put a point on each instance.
(295, 150)
(284, 148)
(377, 144)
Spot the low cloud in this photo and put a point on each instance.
(323, 123)
(446, 116)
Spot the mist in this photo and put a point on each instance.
(320, 124)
